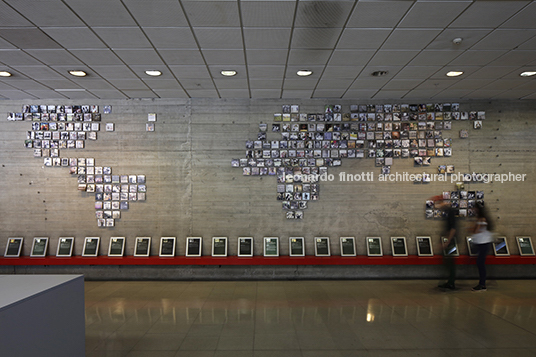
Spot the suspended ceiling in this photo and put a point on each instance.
(267, 42)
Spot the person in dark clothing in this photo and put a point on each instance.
(450, 232)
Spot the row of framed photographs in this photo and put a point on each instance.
(397, 116)
(355, 128)
(42, 128)
(67, 109)
(53, 117)
(381, 108)
(194, 246)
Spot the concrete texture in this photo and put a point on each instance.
(192, 190)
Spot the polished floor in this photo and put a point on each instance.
(309, 319)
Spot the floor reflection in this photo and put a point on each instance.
(308, 318)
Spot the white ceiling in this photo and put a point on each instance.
(266, 42)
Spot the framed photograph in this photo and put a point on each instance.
(39, 247)
(525, 246)
(398, 246)
(424, 246)
(65, 247)
(245, 246)
(142, 247)
(117, 247)
(91, 247)
(471, 249)
(151, 117)
(219, 246)
(110, 127)
(271, 246)
(322, 247)
(167, 247)
(193, 246)
(296, 246)
(149, 127)
(348, 247)
(452, 251)
(500, 247)
(13, 247)
(374, 247)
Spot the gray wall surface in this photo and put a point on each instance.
(192, 190)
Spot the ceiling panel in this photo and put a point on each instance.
(57, 13)
(59, 84)
(390, 94)
(393, 58)
(27, 38)
(401, 84)
(514, 94)
(97, 57)
(475, 58)
(55, 57)
(231, 57)
(490, 72)
(203, 93)
(157, 83)
(130, 84)
(230, 83)
(363, 38)
(17, 57)
(483, 94)
(488, 14)
(39, 72)
(308, 57)
(50, 94)
(469, 37)
(265, 93)
(74, 37)
(322, 13)
(190, 72)
(365, 82)
(410, 39)
(197, 83)
(92, 84)
(342, 72)
(267, 13)
(4, 45)
(257, 38)
(334, 84)
(266, 84)
(171, 93)
(115, 72)
(16, 95)
(515, 58)
(296, 94)
(421, 94)
(266, 72)
(417, 72)
(504, 39)
(523, 19)
(313, 38)
(307, 83)
(26, 84)
(234, 93)
(434, 58)
(104, 12)
(219, 38)
(328, 93)
(433, 14)
(139, 93)
(471, 84)
(161, 13)
(140, 57)
(212, 13)
(171, 37)
(11, 18)
(504, 84)
(182, 57)
(370, 14)
(108, 94)
(268, 57)
(351, 57)
(360, 95)
(453, 93)
(124, 37)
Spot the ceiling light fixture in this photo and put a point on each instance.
(454, 73)
(527, 74)
(5, 74)
(379, 73)
(304, 73)
(228, 73)
(153, 73)
(457, 40)
(77, 73)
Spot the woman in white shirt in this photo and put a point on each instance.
(482, 238)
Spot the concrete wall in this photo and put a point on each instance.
(193, 191)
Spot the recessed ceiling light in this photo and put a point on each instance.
(153, 73)
(228, 73)
(77, 73)
(5, 74)
(304, 73)
(528, 74)
(454, 73)
(379, 73)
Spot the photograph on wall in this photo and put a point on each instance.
(142, 247)
(374, 246)
(91, 247)
(13, 247)
(116, 247)
(348, 246)
(219, 246)
(296, 247)
(193, 246)
(65, 246)
(167, 247)
(524, 245)
(322, 248)
(245, 246)
(39, 247)
(271, 246)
